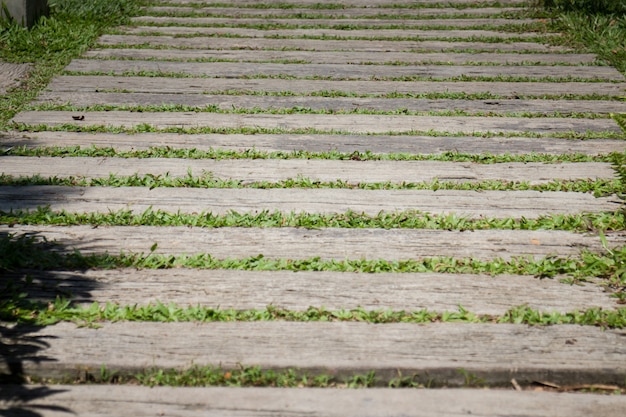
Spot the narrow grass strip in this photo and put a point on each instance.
(397, 220)
(218, 154)
(599, 187)
(44, 314)
(214, 108)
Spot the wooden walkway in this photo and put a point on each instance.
(386, 77)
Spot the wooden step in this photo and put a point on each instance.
(464, 204)
(339, 123)
(337, 23)
(92, 400)
(249, 290)
(164, 85)
(326, 243)
(341, 71)
(380, 34)
(379, 144)
(436, 354)
(325, 170)
(359, 12)
(345, 57)
(558, 108)
(325, 45)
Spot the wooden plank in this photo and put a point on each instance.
(490, 204)
(164, 85)
(351, 3)
(327, 244)
(337, 23)
(343, 71)
(343, 104)
(341, 123)
(379, 34)
(273, 170)
(495, 353)
(324, 45)
(380, 144)
(362, 12)
(95, 400)
(248, 290)
(141, 401)
(344, 57)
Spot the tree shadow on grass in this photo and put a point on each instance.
(32, 276)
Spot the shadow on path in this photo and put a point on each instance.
(30, 279)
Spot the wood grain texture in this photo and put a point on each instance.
(342, 23)
(316, 143)
(336, 123)
(213, 85)
(354, 3)
(344, 57)
(359, 12)
(350, 171)
(325, 45)
(558, 108)
(244, 290)
(327, 244)
(466, 204)
(434, 352)
(92, 401)
(362, 34)
(342, 71)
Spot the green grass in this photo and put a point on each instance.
(597, 26)
(71, 29)
(587, 222)
(218, 154)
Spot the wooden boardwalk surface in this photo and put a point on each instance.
(370, 106)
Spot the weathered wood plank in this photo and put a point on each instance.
(345, 104)
(93, 400)
(337, 23)
(362, 12)
(351, 3)
(490, 204)
(324, 45)
(379, 34)
(216, 85)
(327, 244)
(344, 57)
(245, 290)
(343, 123)
(493, 352)
(343, 71)
(352, 172)
(380, 144)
